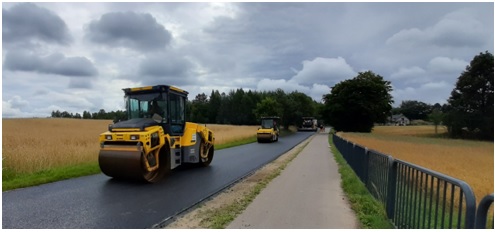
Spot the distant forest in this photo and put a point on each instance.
(353, 105)
(238, 107)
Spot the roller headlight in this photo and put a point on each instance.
(134, 137)
(108, 137)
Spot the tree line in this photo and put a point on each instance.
(102, 114)
(240, 107)
(237, 107)
(353, 105)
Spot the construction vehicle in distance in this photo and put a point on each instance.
(308, 124)
(155, 138)
(269, 130)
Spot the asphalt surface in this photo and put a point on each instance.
(306, 195)
(100, 202)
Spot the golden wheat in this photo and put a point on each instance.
(228, 133)
(470, 161)
(31, 145)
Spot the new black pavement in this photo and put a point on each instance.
(99, 201)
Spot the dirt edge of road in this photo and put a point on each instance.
(199, 217)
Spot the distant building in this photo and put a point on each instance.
(398, 120)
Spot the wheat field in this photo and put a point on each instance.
(470, 161)
(32, 145)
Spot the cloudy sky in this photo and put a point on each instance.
(78, 56)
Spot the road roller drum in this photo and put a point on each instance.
(155, 138)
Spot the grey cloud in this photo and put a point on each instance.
(76, 83)
(128, 29)
(52, 64)
(18, 102)
(26, 21)
(166, 69)
(21, 61)
(456, 29)
(73, 66)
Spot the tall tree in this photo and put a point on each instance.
(436, 116)
(267, 107)
(300, 105)
(471, 101)
(415, 109)
(199, 108)
(86, 115)
(214, 106)
(356, 104)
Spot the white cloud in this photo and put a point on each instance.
(9, 112)
(324, 71)
(408, 73)
(288, 86)
(431, 93)
(316, 91)
(447, 65)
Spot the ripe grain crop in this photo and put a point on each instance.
(470, 161)
(228, 133)
(33, 145)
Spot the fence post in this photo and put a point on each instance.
(482, 211)
(391, 186)
(365, 168)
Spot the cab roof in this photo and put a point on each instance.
(155, 88)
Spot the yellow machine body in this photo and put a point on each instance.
(147, 148)
(269, 130)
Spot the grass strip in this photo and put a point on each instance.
(235, 143)
(370, 212)
(221, 217)
(48, 176)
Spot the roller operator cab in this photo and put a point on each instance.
(156, 137)
(269, 130)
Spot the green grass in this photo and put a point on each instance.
(223, 216)
(370, 212)
(10, 181)
(235, 143)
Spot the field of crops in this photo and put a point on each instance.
(32, 145)
(470, 161)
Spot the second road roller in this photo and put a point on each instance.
(269, 130)
(155, 138)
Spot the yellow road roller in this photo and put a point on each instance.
(155, 138)
(269, 130)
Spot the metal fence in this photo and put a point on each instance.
(416, 197)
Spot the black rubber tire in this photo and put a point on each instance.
(205, 162)
(162, 171)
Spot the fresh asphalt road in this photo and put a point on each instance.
(99, 201)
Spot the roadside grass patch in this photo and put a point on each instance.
(13, 181)
(371, 214)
